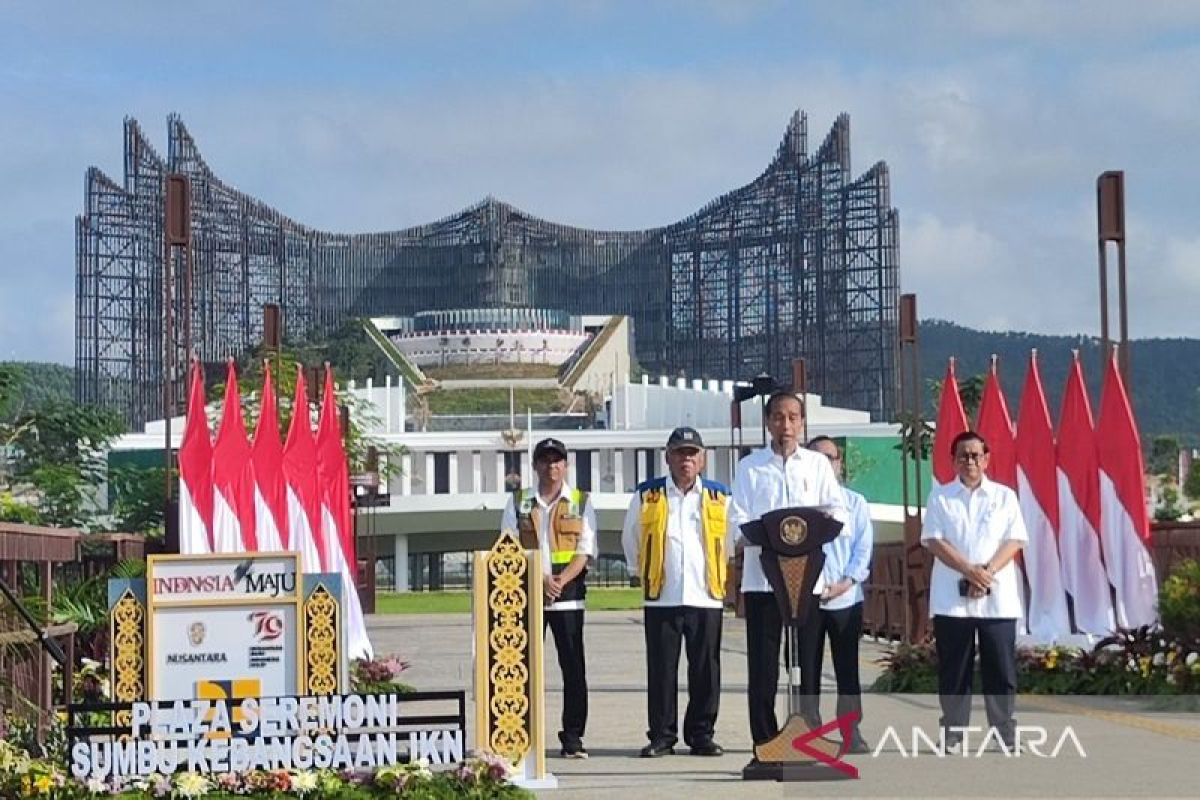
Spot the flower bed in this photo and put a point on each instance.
(24, 776)
(482, 777)
(1136, 662)
(1160, 660)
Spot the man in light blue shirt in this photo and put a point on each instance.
(839, 615)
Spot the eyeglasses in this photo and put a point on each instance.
(966, 458)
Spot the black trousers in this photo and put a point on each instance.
(764, 630)
(567, 627)
(700, 631)
(955, 641)
(843, 626)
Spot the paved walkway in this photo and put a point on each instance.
(1131, 751)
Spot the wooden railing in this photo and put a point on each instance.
(884, 605)
(1174, 542)
(28, 555)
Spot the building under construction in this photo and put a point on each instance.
(800, 262)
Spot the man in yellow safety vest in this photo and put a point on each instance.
(675, 537)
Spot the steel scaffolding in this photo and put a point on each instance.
(801, 262)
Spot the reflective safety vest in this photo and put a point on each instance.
(652, 544)
(566, 528)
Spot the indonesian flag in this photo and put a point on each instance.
(1124, 523)
(195, 473)
(234, 526)
(995, 426)
(1037, 489)
(333, 473)
(270, 496)
(300, 474)
(1079, 510)
(951, 421)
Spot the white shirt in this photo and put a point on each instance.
(766, 482)
(587, 539)
(850, 556)
(685, 577)
(976, 523)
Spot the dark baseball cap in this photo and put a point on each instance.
(684, 439)
(549, 446)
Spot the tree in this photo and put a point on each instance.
(139, 496)
(1164, 455)
(1168, 508)
(59, 452)
(60, 434)
(11, 379)
(916, 436)
(1191, 486)
(970, 391)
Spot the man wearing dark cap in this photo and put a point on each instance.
(559, 521)
(675, 536)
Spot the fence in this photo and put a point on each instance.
(884, 600)
(28, 555)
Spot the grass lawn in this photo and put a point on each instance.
(492, 401)
(491, 371)
(598, 599)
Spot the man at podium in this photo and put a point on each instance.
(782, 475)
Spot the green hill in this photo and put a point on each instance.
(1164, 387)
(34, 383)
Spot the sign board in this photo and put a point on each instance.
(326, 732)
(232, 620)
(229, 662)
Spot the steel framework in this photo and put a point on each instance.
(801, 262)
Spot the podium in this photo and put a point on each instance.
(792, 559)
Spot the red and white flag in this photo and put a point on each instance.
(1037, 489)
(233, 478)
(195, 473)
(270, 497)
(333, 473)
(951, 421)
(1079, 510)
(1124, 521)
(995, 426)
(303, 495)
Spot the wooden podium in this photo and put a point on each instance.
(791, 540)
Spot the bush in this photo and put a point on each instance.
(378, 675)
(1179, 601)
(908, 668)
(1163, 659)
(1138, 662)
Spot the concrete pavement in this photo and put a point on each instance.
(1129, 750)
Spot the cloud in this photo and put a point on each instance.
(994, 119)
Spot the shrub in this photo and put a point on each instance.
(1179, 601)
(378, 675)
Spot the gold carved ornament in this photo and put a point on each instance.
(320, 621)
(508, 643)
(128, 653)
(793, 530)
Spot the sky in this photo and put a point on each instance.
(994, 118)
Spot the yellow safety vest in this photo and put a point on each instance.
(652, 546)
